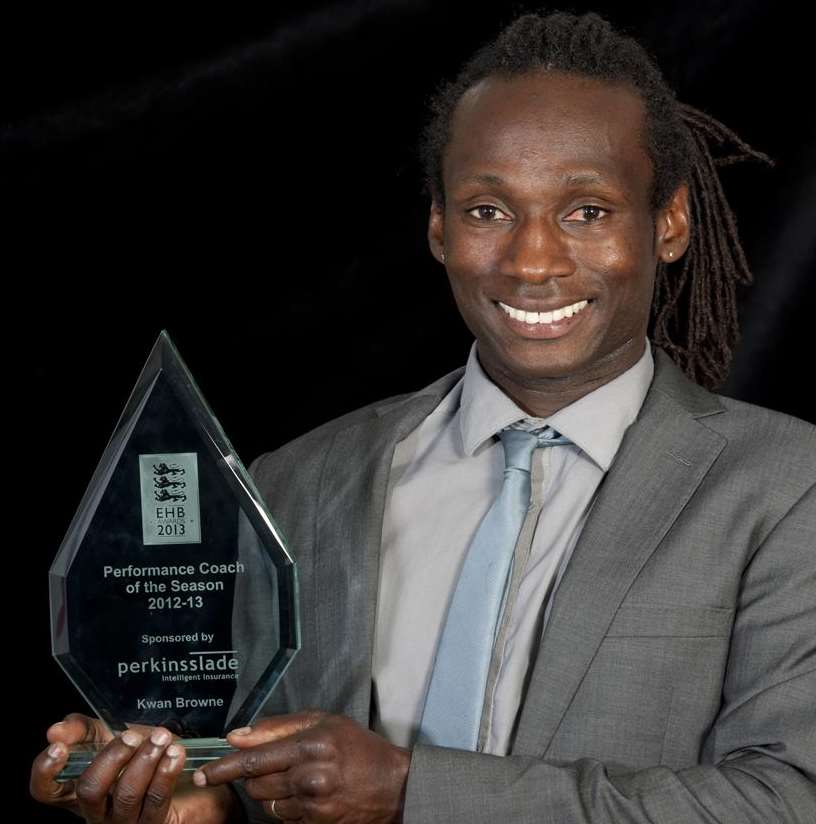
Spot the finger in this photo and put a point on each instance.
(145, 730)
(274, 785)
(277, 756)
(78, 729)
(132, 784)
(44, 770)
(310, 780)
(274, 728)
(159, 794)
(93, 785)
(284, 809)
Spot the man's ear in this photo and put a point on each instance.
(673, 226)
(436, 230)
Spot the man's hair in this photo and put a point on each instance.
(694, 310)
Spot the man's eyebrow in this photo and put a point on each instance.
(573, 179)
(582, 178)
(487, 179)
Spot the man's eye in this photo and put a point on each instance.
(487, 213)
(586, 214)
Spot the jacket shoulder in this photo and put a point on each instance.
(307, 450)
(767, 457)
(772, 448)
(742, 424)
(758, 422)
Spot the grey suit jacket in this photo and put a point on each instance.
(676, 678)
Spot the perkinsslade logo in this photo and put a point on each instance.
(170, 499)
(217, 665)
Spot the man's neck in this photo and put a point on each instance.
(543, 397)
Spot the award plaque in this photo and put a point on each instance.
(174, 600)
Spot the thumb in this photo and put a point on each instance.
(78, 729)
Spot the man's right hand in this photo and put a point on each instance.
(133, 779)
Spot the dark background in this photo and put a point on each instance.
(248, 180)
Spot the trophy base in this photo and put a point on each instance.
(199, 752)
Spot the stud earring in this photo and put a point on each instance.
(443, 256)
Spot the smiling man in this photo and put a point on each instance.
(566, 583)
(548, 232)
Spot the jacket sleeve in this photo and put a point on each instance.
(758, 761)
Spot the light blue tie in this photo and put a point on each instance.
(453, 705)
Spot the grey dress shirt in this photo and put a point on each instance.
(444, 477)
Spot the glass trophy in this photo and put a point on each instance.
(174, 600)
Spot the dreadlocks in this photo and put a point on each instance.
(694, 311)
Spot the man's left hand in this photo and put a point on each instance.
(316, 767)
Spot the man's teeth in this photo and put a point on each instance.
(544, 317)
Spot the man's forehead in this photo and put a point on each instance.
(593, 126)
(561, 90)
(574, 179)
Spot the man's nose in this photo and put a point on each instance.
(539, 249)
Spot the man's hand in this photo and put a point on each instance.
(133, 778)
(316, 767)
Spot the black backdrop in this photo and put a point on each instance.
(248, 181)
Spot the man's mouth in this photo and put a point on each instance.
(550, 317)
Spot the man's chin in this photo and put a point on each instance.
(534, 367)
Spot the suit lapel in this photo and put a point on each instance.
(663, 458)
(351, 502)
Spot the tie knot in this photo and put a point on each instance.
(519, 444)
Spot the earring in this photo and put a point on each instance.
(670, 254)
(443, 256)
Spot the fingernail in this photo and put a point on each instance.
(55, 751)
(241, 731)
(199, 779)
(173, 751)
(160, 737)
(131, 738)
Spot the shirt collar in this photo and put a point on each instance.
(595, 423)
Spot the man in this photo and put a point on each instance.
(650, 652)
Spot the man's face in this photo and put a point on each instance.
(547, 209)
